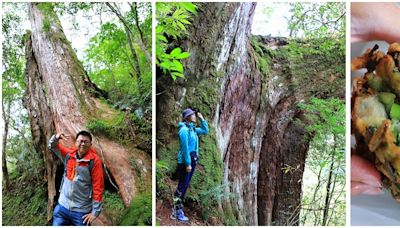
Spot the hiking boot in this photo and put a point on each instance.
(180, 215)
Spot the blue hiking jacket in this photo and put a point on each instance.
(189, 140)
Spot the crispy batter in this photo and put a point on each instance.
(367, 60)
(394, 47)
(385, 70)
(394, 51)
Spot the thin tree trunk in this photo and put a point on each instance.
(136, 16)
(6, 117)
(328, 191)
(134, 56)
(126, 25)
(331, 189)
(129, 37)
(316, 190)
(115, 89)
(336, 200)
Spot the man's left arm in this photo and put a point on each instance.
(98, 189)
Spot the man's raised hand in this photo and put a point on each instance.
(62, 136)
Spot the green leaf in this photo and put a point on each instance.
(159, 29)
(166, 64)
(182, 26)
(178, 66)
(177, 74)
(176, 13)
(185, 21)
(183, 55)
(177, 51)
(189, 7)
(161, 38)
(173, 17)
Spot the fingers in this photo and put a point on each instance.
(66, 136)
(387, 30)
(88, 219)
(377, 24)
(365, 179)
(62, 136)
(361, 188)
(85, 219)
(364, 172)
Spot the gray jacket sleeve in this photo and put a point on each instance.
(53, 147)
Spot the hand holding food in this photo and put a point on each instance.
(376, 112)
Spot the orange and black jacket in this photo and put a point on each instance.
(83, 184)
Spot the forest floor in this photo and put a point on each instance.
(192, 210)
(164, 210)
(25, 204)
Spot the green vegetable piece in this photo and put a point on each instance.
(375, 82)
(395, 127)
(395, 112)
(396, 75)
(387, 99)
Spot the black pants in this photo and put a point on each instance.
(184, 180)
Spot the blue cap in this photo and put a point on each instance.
(187, 112)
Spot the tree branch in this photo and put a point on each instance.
(126, 25)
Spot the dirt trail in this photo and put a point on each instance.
(192, 210)
(164, 210)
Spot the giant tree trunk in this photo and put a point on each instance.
(252, 112)
(42, 125)
(57, 99)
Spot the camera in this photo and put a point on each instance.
(195, 110)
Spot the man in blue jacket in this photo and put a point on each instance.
(187, 157)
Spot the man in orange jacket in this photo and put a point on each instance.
(81, 191)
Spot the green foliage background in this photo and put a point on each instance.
(173, 18)
(326, 154)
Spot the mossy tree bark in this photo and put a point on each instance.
(60, 97)
(42, 125)
(252, 110)
(222, 82)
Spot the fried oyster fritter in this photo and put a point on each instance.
(376, 112)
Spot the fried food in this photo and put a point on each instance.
(376, 112)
